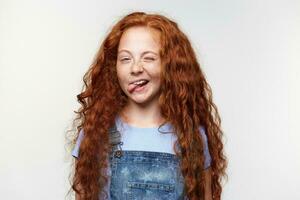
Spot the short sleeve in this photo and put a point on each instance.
(207, 157)
(75, 151)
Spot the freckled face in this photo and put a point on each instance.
(139, 59)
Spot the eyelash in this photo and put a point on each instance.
(147, 58)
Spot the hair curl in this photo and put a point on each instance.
(185, 101)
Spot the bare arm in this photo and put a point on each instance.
(207, 189)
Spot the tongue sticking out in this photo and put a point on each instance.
(133, 87)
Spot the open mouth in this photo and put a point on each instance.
(138, 86)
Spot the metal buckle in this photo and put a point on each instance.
(118, 153)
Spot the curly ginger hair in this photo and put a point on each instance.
(185, 101)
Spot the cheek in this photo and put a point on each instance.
(121, 75)
(156, 75)
(156, 71)
(156, 80)
(121, 80)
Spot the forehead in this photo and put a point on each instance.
(140, 39)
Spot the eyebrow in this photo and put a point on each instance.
(142, 53)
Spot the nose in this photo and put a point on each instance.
(137, 68)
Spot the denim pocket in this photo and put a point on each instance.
(141, 175)
(150, 190)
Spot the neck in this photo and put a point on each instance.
(139, 115)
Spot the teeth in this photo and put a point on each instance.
(139, 82)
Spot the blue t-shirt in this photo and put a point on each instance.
(148, 139)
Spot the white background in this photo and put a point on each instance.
(249, 51)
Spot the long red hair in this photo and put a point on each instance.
(185, 101)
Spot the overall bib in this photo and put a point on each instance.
(143, 175)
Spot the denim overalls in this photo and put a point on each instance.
(143, 175)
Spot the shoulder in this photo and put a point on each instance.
(81, 134)
(79, 138)
(202, 128)
(75, 151)
(202, 131)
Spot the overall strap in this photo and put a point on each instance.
(115, 139)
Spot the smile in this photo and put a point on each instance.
(138, 86)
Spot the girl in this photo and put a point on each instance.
(148, 128)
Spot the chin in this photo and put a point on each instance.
(140, 100)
